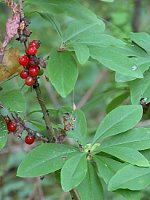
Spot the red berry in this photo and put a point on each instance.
(31, 50)
(11, 126)
(31, 63)
(23, 60)
(29, 81)
(35, 43)
(29, 139)
(33, 71)
(24, 74)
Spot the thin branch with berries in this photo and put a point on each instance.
(16, 125)
(32, 68)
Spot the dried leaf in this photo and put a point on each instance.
(10, 63)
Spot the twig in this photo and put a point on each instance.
(46, 117)
(73, 194)
(101, 77)
(36, 87)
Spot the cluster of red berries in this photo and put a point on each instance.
(12, 127)
(30, 63)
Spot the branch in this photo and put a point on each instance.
(73, 194)
(46, 117)
(101, 77)
(36, 87)
(21, 125)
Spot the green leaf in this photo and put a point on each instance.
(3, 133)
(107, 167)
(129, 194)
(79, 131)
(146, 153)
(116, 101)
(91, 187)
(73, 171)
(90, 34)
(138, 138)
(126, 154)
(130, 177)
(53, 21)
(82, 53)
(71, 8)
(116, 61)
(95, 38)
(142, 62)
(140, 88)
(119, 120)
(13, 99)
(142, 39)
(123, 78)
(44, 159)
(79, 32)
(62, 72)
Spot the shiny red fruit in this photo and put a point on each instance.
(31, 62)
(35, 43)
(29, 81)
(29, 139)
(11, 126)
(24, 74)
(31, 50)
(24, 60)
(33, 71)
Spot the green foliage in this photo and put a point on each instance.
(138, 138)
(127, 154)
(92, 183)
(142, 40)
(3, 133)
(80, 32)
(82, 53)
(116, 154)
(47, 158)
(79, 131)
(13, 99)
(62, 71)
(119, 120)
(140, 89)
(138, 179)
(71, 8)
(107, 167)
(116, 61)
(73, 171)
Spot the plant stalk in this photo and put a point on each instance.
(73, 194)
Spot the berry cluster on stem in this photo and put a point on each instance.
(30, 63)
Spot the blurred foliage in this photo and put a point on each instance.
(118, 17)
